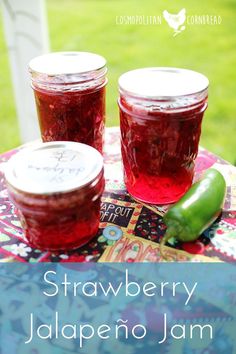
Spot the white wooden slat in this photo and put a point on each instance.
(26, 33)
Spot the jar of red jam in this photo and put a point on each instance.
(69, 89)
(161, 111)
(57, 188)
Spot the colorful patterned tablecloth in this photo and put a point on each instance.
(129, 231)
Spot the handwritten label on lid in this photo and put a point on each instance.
(54, 167)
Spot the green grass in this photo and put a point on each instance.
(88, 25)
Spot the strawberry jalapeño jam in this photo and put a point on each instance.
(69, 89)
(56, 188)
(161, 111)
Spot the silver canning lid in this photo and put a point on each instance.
(162, 83)
(60, 63)
(53, 167)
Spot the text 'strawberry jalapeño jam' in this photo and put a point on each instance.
(161, 111)
(69, 89)
(57, 188)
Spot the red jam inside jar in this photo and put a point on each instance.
(69, 89)
(57, 189)
(161, 111)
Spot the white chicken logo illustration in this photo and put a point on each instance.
(176, 21)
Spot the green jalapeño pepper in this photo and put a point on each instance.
(196, 210)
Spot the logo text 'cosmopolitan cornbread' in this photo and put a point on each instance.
(178, 22)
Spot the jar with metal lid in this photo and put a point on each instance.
(161, 111)
(69, 89)
(57, 188)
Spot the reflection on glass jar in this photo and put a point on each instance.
(69, 89)
(161, 111)
(57, 189)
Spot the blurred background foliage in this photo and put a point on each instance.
(90, 25)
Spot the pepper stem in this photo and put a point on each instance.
(170, 232)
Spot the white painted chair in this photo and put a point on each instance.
(26, 34)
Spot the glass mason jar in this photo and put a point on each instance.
(57, 188)
(161, 111)
(69, 89)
